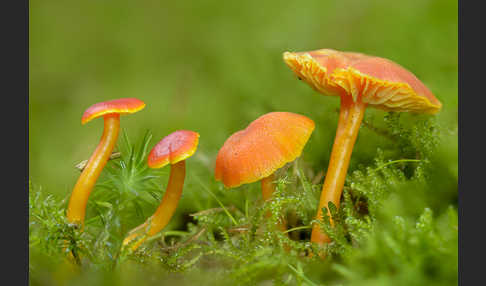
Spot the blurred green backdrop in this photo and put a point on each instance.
(214, 66)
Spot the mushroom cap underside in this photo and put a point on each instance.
(376, 81)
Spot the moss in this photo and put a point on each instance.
(385, 233)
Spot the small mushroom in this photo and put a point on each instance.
(173, 149)
(110, 110)
(255, 153)
(360, 81)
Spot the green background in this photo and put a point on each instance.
(214, 66)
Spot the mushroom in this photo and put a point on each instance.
(255, 153)
(360, 81)
(173, 149)
(110, 110)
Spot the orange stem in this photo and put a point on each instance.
(350, 118)
(166, 209)
(76, 210)
(268, 188)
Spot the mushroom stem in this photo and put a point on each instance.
(350, 118)
(76, 210)
(268, 188)
(166, 209)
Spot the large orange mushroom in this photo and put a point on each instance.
(173, 149)
(110, 111)
(360, 81)
(255, 153)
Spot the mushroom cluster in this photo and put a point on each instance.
(269, 142)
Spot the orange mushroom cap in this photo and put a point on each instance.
(121, 106)
(376, 81)
(173, 148)
(267, 144)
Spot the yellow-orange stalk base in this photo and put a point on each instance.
(76, 210)
(164, 212)
(350, 118)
